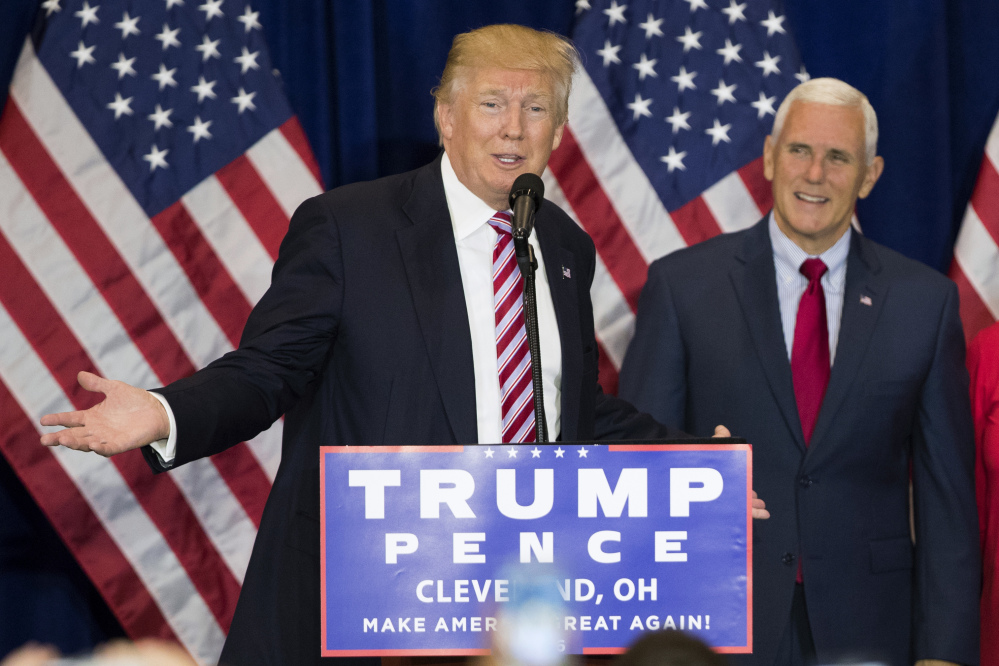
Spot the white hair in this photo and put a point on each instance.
(836, 93)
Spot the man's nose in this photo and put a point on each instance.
(513, 126)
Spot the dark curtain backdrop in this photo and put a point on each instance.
(359, 74)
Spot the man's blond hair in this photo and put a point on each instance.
(508, 46)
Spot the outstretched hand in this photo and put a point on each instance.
(759, 506)
(126, 419)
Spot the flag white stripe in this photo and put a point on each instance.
(235, 243)
(100, 483)
(115, 209)
(731, 204)
(977, 254)
(87, 315)
(621, 178)
(286, 175)
(612, 316)
(992, 143)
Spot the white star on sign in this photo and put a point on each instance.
(168, 37)
(678, 120)
(684, 79)
(160, 118)
(640, 107)
(645, 67)
(204, 89)
(735, 12)
(128, 26)
(674, 160)
(609, 53)
(690, 39)
(247, 60)
(156, 158)
(249, 19)
(208, 48)
(211, 8)
(121, 106)
(764, 105)
(773, 23)
(88, 14)
(769, 64)
(719, 132)
(50, 7)
(616, 12)
(696, 4)
(171, 3)
(651, 27)
(489, 453)
(83, 54)
(535, 452)
(560, 452)
(123, 66)
(724, 92)
(165, 77)
(582, 453)
(802, 75)
(511, 453)
(244, 101)
(200, 129)
(730, 52)
(582, 6)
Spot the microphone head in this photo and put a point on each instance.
(528, 184)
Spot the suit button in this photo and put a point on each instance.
(787, 558)
(805, 481)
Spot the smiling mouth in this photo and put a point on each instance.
(508, 159)
(808, 198)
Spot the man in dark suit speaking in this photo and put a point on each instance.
(843, 363)
(393, 317)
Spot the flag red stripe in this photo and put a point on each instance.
(597, 216)
(85, 238)
(209, 277)
(985, 198)
(757, 184)
(975, 315)
(255, 201)
(695, 221)
(166, 506)
(76, 523)
(246, 479)
(607, 372)
(295, 135)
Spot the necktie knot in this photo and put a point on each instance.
(502, 223)
(813, 269)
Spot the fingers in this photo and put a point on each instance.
(70, 438)
(92, 382)
(64, 419)
(759, 508)
(722, 431)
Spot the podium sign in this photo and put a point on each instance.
(424, 549)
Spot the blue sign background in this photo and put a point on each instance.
(708, 595)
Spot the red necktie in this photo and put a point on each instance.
(810, 352)
(512, 351)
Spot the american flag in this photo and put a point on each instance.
(976, 254)
(149, 165)
(665, 136)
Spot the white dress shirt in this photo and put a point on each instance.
(475, 239)
(791, 284)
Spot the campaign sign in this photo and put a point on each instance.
(451, 550)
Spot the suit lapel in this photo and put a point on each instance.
(863, 297)
(431, 260)
(755, 282)
(565, 301)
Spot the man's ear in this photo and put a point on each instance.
(445, 119)
(874, 170)
(768, 158)
(558, 136)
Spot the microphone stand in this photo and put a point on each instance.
(528, 265)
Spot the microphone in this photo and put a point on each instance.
(526, 195)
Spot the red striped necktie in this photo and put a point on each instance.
(512, 351)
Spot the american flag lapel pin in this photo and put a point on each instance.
(865, 300)
(566, 273)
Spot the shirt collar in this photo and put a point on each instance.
(790, 257)
(468, 212)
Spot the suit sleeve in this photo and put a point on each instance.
(948, 563)
(285, 341)
(653, 376)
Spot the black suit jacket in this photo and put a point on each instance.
(363, 339)
(709, 349)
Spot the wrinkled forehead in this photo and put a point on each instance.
(815, 123)
(478, 81)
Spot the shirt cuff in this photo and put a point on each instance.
(166, 449)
